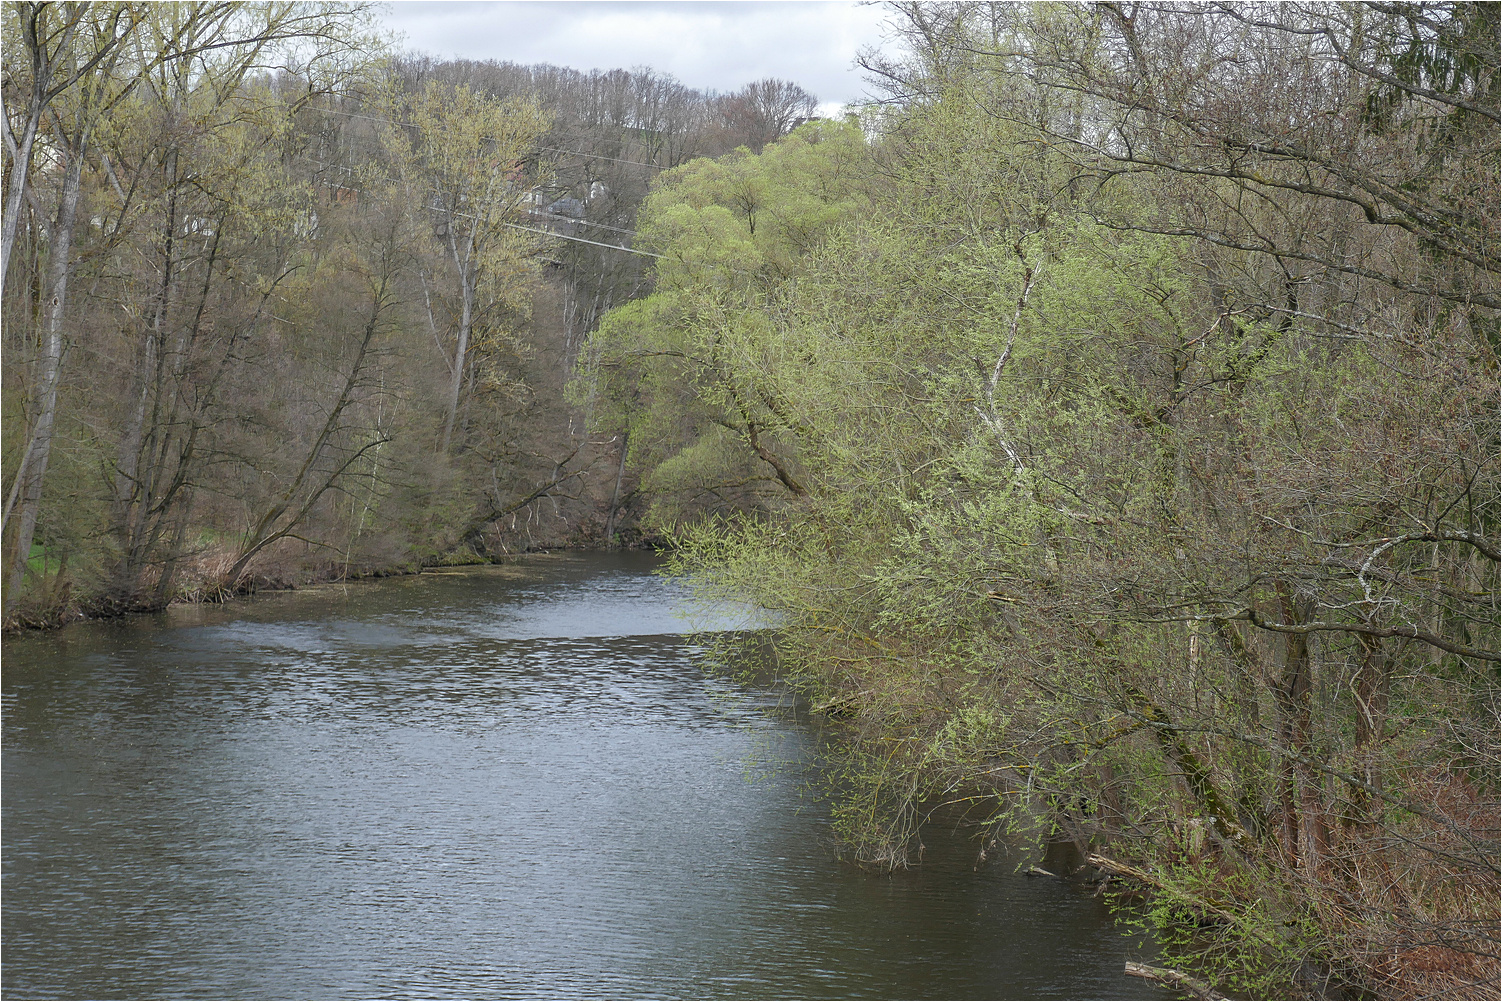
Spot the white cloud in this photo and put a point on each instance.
(711, 46)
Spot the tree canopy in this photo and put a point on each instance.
(1112, 422)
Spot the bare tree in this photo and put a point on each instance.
(761, 112)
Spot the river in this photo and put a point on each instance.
(491, 782)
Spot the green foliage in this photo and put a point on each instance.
(691, 371)
(1069, 486)
(252, 392)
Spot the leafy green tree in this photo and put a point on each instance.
(691, 371)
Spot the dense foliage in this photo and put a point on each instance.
(1111, 416)
(1109, 411)
(280, 304)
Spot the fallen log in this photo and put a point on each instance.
(1116, 869)
(1175, 979)
(1122, 870)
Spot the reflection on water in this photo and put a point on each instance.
(506, 781)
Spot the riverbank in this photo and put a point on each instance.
(202, 582)
(1113, 801)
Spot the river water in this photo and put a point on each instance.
(498, 782)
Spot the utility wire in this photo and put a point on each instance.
(586, 222)
(518, 226)
(549, 215)
(596, 243)
(549, 149)
(530, 229)
(601, 156)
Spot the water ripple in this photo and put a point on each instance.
(511, 782)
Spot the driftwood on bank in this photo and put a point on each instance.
(1122, 870)
(1162, 975)
(1175, 979)
(1116, 869)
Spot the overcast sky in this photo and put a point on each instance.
(708, 46)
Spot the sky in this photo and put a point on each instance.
(708, 46)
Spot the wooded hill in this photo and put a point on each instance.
(1109, 411)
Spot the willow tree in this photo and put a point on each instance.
(694, 371)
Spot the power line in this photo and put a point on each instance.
(586, 222)
(596, 243)
(549, 215)
(549, 149)
(601, 156)
(530, 229)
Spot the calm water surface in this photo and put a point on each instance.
(495, 782)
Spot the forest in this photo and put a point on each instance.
(1107, 410)
(281, 303)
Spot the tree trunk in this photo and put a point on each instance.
(20, 168)
(1372, 683)
(32, 18)
(467, 277)
(129, 491)
(615, 495)
(39, 448)
(1304, 829)
(770, 458)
